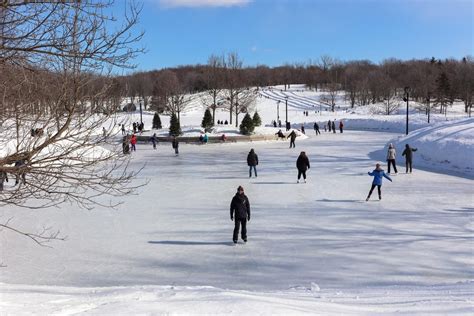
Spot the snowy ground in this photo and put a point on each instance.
(313, 248)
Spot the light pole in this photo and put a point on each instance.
(141, 117)
(286, 108)
(278, 111)
(405, 98)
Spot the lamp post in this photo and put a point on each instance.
(286, 108)
(141, 116)
(278, 111)
(405, 98)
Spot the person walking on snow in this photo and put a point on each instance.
(334, 126)
(391, 154)
(408, 153)
(378, 175)
(175, 145)
(252, 162)
(302, 129)
(302, 164)
(240, 214)
(341, 126)
(292, 139)
(329, 126)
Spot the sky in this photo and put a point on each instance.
(278, 32)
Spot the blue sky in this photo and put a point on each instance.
(275, 32)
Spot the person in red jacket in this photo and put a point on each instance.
(133, 142)
(341, 126)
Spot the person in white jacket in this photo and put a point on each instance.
(391, 155)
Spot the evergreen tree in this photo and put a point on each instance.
(257, 121)
(156, 121)
(207, 121)
(246, 126)
(175, 128)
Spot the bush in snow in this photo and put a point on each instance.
(156, 121)
(257, 121)
(207, 123)
(246, 126)
(175, 128)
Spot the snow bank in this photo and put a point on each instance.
(445, 146)
(166, 300)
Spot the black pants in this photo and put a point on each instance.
(238, 222)
(391, 162)
(317, 131)
(292, 143)
(408, 165)
(301, 172)
(379, 188)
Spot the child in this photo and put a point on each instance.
(378, 175)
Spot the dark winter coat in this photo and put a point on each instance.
(378, 175)
(175, 143)
(292, 135)
(302, 163)
(408, 152)
(316, 126)
(240, 206)
(252, 158)
(333, 125)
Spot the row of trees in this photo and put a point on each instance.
(227, 84)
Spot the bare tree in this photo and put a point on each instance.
(55, 147)
(214, 78)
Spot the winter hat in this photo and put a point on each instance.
(240, 188)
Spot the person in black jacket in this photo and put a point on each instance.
(175, 145)
(252, 162)
(408, 153)
(240, 209)
(302, 163)
(292, 137)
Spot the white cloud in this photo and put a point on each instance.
(202, 3)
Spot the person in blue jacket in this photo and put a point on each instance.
(378, 175)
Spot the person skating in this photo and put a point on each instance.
(329, 126)
(408, 153)
(252, 162)
(302, 164)
(154, 140)
(123, 129)
(240, 214)
(126, 145)
(341, 126)
(175, 145)
(292, 137)
(302, 129)
(316, 128)
(20, 166)
(133, 142)
(378, 175)
(334, 126)
(391, 155)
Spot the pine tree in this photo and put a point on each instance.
(207, 121)
(175, 129)
(246, 126)
(257, 121)
(156, 121)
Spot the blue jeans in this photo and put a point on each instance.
(250, 171)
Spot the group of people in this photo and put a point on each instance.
(219, 122)
(240, 205)
(331, 126)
